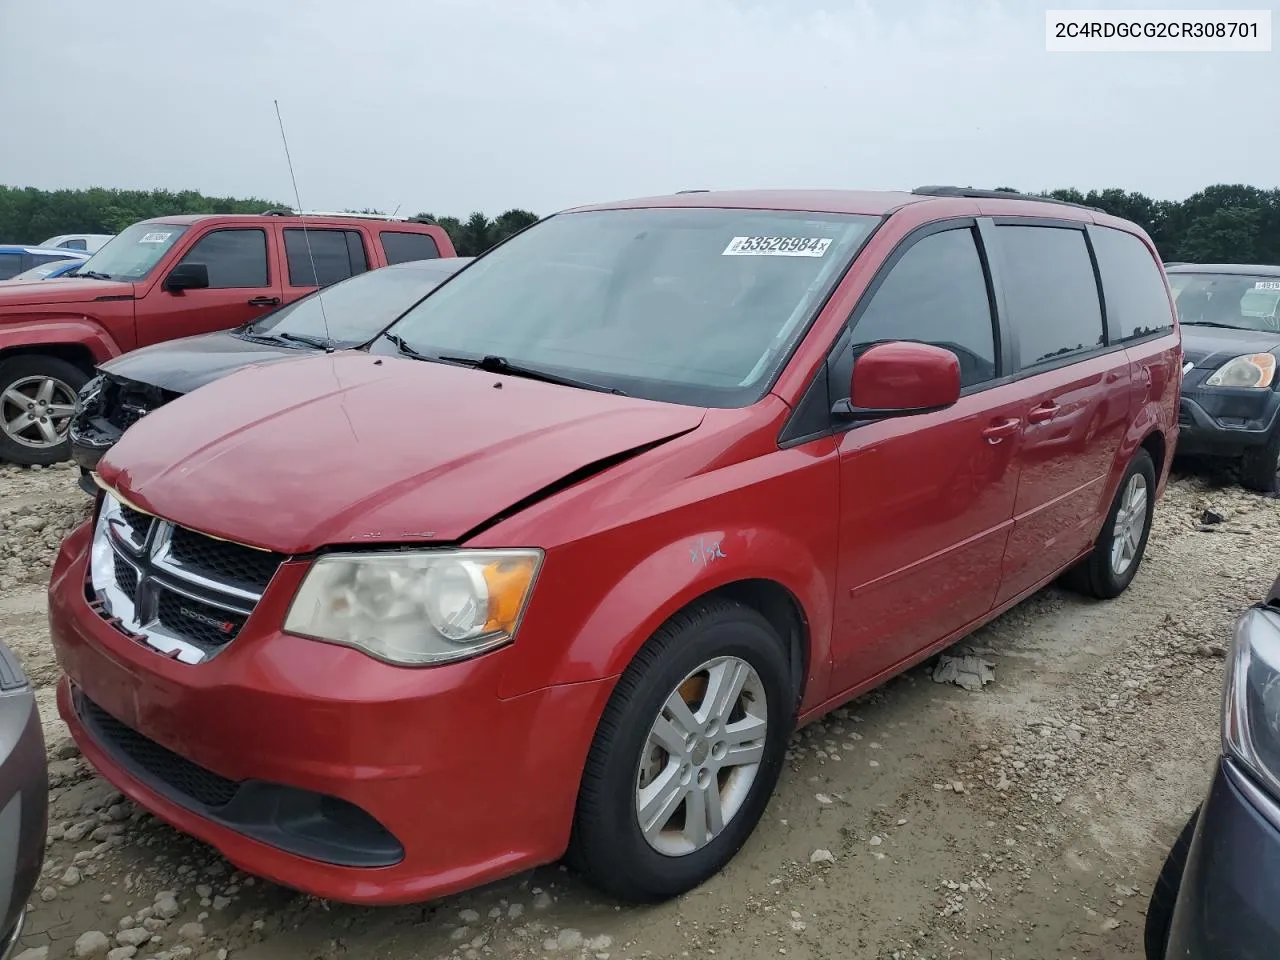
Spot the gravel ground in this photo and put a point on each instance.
(1026, 819)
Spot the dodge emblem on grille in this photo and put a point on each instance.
(222, 626)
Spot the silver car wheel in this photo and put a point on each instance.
(701, 756)
(1130, 525)
(36, 411)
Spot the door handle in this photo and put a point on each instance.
(264, 302)
(1046, 411)
(1001, 429)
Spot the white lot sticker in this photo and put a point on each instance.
(155, 237)
(777, 247)
(1267, 285)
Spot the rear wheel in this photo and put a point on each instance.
(1165, 894)
(1115, 559)
(37, 399)
(1260, 467)
(686, 755)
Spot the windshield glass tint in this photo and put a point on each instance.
(688, 305)
(356, 309)
(132, 253)
(1249, 303)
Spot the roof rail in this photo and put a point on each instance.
(969, 192)
(334, 213)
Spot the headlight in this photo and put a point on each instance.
(1253, 370)
(416, 607)
(1251, 696)
(88, 394)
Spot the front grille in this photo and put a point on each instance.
(183, 593)
(238, 565)
(207, 626)
(159, 763)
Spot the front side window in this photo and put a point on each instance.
(937, 293)
(134, 251)
(1137, 304)
(1051, 292)
(337, 254)
(1227, 300)
(698, 306)
(235, 258)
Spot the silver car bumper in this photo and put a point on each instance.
(24, 798)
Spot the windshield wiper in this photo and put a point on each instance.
(1211, 323)
(94, 275)
(320, 343)
(402, 345)
(492, 364)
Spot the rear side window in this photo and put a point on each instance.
(1051, 293)
(338, 254)
(10, 265)
(235, 258)
(1137, 304)
(937, 293)
(402, 247)
(74, 245)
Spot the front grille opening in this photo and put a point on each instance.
(233, 563)
(203, 624)
(136, 519)
(187, 778)
(126, 577)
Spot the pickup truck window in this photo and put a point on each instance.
(235, 258)
(338, 254)
(134, 251)
(403, 247)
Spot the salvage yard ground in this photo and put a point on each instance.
(1026, 820)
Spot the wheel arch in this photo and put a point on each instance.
(782, 609)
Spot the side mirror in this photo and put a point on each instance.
(187, 276)
(900, 379)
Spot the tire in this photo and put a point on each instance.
(1096, 575)
(1260, 466)
(608, 845)
(1165, 893)
(26, 381)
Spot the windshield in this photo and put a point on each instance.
(695, 306)
(356, 309)
(1229, 300)
(132, 253)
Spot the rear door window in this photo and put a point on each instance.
(1132, 285)
(937, 293)
(401, 247)
(337, 254)
(10, 265)
(1051, 293)
(235, 258)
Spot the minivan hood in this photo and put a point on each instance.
(182, 365)
(24, 293)
(1211, 347)
(348, 448)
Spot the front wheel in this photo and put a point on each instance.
(1260, 468)
(686, 755)
(1111, 567)
(37, 400)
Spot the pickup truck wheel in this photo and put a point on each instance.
(686, 754)
(1260, 468)
(1110, 568)
(37, 399)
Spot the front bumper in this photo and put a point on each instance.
(470, 787)
(1226, 907)
(24, 797)
(1224, 420)
(90, 439)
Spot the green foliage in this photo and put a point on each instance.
(1225, 223)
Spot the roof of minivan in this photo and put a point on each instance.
(876, 203)
(1241, 269)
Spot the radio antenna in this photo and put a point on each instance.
(328, 341)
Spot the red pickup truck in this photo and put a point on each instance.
(166, 278)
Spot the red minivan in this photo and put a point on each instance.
(560, 562)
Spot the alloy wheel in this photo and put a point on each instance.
(1130, 525)
(36, 411)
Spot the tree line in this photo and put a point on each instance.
(1224, 223)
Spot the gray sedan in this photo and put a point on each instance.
(24, 798)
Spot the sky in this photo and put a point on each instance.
(452, 106)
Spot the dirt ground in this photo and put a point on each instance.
(1026, 820)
